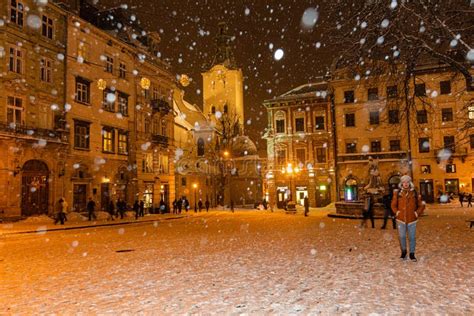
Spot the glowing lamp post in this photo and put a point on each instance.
(291, 205)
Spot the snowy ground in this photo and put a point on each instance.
(249, 262)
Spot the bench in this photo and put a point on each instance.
(470, 221)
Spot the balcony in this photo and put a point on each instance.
(159, 105)
(160, 139)
(358, 157)
(57, 135)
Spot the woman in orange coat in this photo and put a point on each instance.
(407, 206)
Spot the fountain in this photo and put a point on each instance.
(353, 208)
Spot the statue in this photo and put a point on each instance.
(374, 185)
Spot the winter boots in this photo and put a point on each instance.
(404, 255)
(412, 257)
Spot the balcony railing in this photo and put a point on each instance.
(160, 139)
(59, 135)
(159, 105)
(376, 155)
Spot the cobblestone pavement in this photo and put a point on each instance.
(251, 262)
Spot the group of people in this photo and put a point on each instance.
(465, 197)
(179, 204)
(404, 206)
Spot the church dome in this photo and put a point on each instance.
(243, 146)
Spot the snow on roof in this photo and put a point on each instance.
(309, 88)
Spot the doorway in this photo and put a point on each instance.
(427, 190)
(301, 193)
(104, 196)
(34, 188)
(79, 199)
(281, 196)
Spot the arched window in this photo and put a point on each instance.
(350, 190)
(200, 145)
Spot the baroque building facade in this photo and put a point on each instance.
(87, 110)
(300, 147)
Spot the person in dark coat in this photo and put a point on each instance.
(387, 203)
(162, 207)
(142, 208)
(469, 200)
(136, 209)
(186, 204)
(200, 205)
(306, 205)
(175, 206)
(207, 205)
(461, 198)
(232, 206)
(60, 215)
(180, 205)
(265, 204)
(368, 211)
(91, 209)
(121, 206)
(111, 209)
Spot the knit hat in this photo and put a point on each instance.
(405, 178)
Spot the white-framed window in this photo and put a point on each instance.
(122, 70)
(82, 90)
(17, 12)
(280, 123)
(14, 111)
(17, 59)
(108, 102)
(109, 64)
(46, 70)
(123, 103)
(47, 27)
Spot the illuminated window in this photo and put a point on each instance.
(108, 140)
(147, 163)
(123, 142)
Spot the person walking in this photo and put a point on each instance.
(142, 209)
(207, 204)
(121, 206)
(65, 208)
(368, 211)
(175, 206)
(180, 205)
(387, 204)
(408, 207)
(200, 205)
(111, 209)
(91, 209)
(306, 206)
(469, 200)
(461, 198)
(136, 208)
(59, 215)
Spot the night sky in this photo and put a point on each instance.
(187, 29)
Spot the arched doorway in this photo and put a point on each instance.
(34, 188)
(351, 192)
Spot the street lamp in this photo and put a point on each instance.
(195, 204)
(290, 170)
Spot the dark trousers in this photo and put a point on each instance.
(306, 211)
(366, 216)
(92, 214)
(388, 214)
(61, 217)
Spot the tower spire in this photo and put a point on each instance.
(224, 54)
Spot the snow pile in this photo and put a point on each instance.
(38, 219)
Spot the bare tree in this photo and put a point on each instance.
(391, 40)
